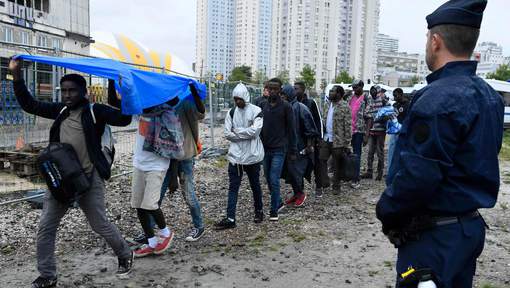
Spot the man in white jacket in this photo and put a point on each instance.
(243, 124)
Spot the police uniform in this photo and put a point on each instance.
(445, 165)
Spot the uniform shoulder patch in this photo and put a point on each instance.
(420, 132)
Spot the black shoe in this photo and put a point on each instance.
(141, 239)
(273, 216)
(42, 282)
(125, 265)
(195, 234)
(259, 217)
(225, 223)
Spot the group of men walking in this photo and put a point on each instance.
(283, 131)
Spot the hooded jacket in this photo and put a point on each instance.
(303, 119)
(242, 129)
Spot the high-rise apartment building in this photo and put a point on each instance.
(386, 44)
(233, 33)
(364, 30)
(274, 36)
(253, 34)
(305, 32)
(330, 36)
(215, 37)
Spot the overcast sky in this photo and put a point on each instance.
(169, 25)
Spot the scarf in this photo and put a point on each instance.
(164, 135)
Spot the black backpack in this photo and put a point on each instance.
(61, 169)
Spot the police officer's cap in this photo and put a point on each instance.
(459, 12)
(357, 83)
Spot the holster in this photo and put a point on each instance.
(410, 231)
(413, 279)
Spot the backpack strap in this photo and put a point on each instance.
(62, 111)
(92, 112)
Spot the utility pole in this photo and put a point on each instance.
(336, 67)
(211, 110)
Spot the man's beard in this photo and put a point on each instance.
(430, 58)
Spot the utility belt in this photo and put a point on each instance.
(411, 231)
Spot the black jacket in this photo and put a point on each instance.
(314, 109)
(103, 113)
(278, 130)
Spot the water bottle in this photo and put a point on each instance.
(427, 284)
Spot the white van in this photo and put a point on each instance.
(503, 88)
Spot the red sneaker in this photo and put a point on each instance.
(291, 200)
(164, 244)
(300, 200)
(143, 251)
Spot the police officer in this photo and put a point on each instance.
(446, 157)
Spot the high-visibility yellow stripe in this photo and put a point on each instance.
(168, 61)
(136, 53)
(111, 51)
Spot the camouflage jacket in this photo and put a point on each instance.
(342, 121)
(362, 115)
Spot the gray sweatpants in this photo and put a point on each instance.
(93, 206)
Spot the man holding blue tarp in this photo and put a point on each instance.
(75, 125)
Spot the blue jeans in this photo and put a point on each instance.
(391, 148)
(357, 143)
(188, 191)
(235, 174)
(273, 165)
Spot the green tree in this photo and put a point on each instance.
(502, 73)
(284, 76)
(307, 76)
(259, 77)
(344, 77)
(415, 80)
(241, 73)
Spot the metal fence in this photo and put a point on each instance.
(22, 135)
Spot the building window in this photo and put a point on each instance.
(57, 43)
(7, 34)
(25, 38)
(42, 41)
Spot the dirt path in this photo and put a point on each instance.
(334, 242)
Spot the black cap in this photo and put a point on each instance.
(357, 82)
(459, 12)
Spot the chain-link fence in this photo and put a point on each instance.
(22, 135)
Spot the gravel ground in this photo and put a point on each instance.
(334, 241)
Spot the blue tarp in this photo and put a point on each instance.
(139, 89)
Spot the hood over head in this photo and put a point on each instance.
(290, 92)
(240, 91)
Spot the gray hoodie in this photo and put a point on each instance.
(243, 130)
